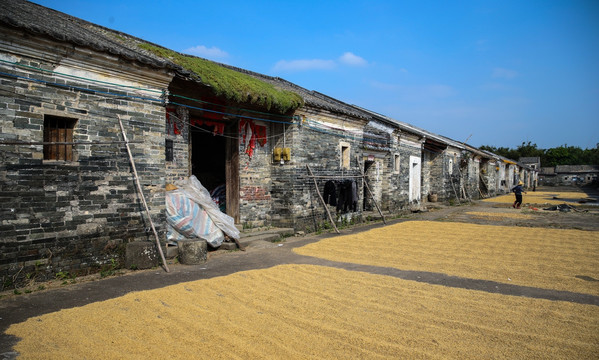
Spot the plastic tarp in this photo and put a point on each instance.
(188, 220)
(192, 213)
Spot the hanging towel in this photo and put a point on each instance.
(330, 193)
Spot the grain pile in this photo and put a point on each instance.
(542, 198)
(312, 312)
(538, 257)
(498, 215)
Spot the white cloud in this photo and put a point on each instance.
(347, 58)
(504, 73)
(302, 65)
(210, 53)
(351, 59)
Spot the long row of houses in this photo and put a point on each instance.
(68, 199)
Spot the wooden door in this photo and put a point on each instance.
(232, 171)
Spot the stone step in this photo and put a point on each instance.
(279, 231)
(256, 235)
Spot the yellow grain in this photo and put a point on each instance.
(542, 198)
(312, 312)
(498, 215)
(546, 258)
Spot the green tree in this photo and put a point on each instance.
(561, 155)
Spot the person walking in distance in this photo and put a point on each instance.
(518, 190)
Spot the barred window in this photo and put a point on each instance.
(58, 130)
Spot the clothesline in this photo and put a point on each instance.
(324, 203)
(336, 176)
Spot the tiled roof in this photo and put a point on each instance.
(43, 21)
(310, 97)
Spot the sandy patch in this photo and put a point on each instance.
(539, 257)
(311, 312)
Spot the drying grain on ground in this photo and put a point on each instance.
(498, 215)
(542, 198)
(305, 311)
(538, 257)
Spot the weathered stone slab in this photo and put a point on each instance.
(193, 252)
(141, 255)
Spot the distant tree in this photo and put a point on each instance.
(561, 155)
(529, 150)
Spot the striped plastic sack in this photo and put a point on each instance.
(188, 220)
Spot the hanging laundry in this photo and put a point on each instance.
(250, 133)
(330, 193)
(354, 196)
(219, 127)
(260, 131)
(348, 196)
(171, 123)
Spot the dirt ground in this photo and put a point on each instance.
(575, 311)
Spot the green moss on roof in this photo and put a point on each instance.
(233, 85)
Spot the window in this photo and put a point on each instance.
(345, 155)
(396, 163)
(168, 151)
(58, 130)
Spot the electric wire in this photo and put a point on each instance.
(353, 136)
(232, 107)
(77, 87)
(77, 77)
(139, 88)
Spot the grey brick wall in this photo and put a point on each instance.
(74, 217)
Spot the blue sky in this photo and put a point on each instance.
(490, 72)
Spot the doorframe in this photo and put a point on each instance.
(415, 183)
(232, 170)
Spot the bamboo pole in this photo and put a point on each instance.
(141, 194)
(455, 192)
(322, 200)
(372, 196)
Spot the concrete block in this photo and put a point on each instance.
(171, 251)
(141, 255)
(193, 252)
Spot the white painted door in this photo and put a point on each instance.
(415, 175)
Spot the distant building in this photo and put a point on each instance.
(569, 175)
(534, 165)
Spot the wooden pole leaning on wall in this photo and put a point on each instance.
(141, 194)
(322, 199)
(372, 196)
(453, 187)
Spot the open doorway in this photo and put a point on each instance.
(367, 202)
(215, 162)
(415, 179)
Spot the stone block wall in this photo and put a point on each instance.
(255, 181)
(433, 175)
(471, 177)
(295, 202)
(74, 216)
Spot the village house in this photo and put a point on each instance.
(270, 152)
(569, 175)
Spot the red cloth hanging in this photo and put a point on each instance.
(260, 131)
(250, 133)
